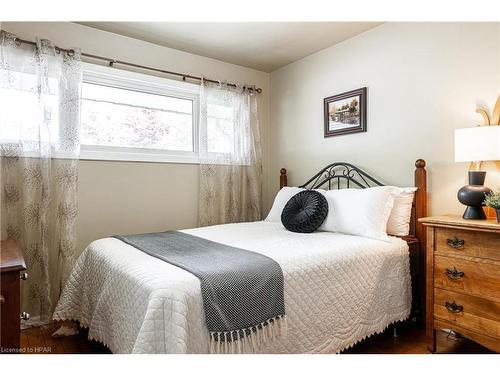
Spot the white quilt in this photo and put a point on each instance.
(339, 289)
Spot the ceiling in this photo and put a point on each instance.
(264, 46)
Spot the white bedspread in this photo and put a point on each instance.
(339, 289)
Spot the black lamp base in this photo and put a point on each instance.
(474, 213)
(473, 196)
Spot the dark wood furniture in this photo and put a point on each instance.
(344, 175)
(12, 269)
(463, 279)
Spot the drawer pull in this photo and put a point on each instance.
(454, 274)
(25, 316)
(2, 299)
(23, 275)
(453, 307)
(455, 242)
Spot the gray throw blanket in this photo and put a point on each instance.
(242, 290)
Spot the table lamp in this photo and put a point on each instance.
(477, 144)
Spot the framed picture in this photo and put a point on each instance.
(345, 113)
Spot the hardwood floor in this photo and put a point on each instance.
(411, 341)
(39, 340)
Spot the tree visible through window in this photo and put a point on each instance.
(119, 117)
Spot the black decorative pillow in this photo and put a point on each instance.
(305, 212)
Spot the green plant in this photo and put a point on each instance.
(493, 199)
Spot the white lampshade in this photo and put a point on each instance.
(479, 143)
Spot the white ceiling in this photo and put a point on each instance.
(264, 46)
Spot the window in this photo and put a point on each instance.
(18, 96)
(132, 116)
(220, 128)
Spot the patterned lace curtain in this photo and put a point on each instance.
(230, 156)
(39, 148)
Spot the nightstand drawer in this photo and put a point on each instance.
(474, 313)
(11, 266)
(463, 279)
(481, 278)
(469, 243)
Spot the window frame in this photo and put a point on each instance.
(124, 79)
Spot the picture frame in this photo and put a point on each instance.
(345, 113)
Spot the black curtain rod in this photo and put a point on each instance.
(112, 62)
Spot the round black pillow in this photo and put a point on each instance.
(305, 212)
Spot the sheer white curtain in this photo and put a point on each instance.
(39, 144)
(230, 155)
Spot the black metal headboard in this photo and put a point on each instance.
(345, 175)
(336, 173)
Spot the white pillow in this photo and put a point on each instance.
(399, 219)
(360, 212)
(280, 201)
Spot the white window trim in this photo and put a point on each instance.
(150, 84)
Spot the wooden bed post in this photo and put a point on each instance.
(283, 178)
(420, 231)
(420, 200)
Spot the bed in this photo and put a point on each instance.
(338, 289)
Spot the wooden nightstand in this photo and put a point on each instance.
(11, 273)
(463, 279)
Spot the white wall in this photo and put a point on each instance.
(126, 197)
(423, 82)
